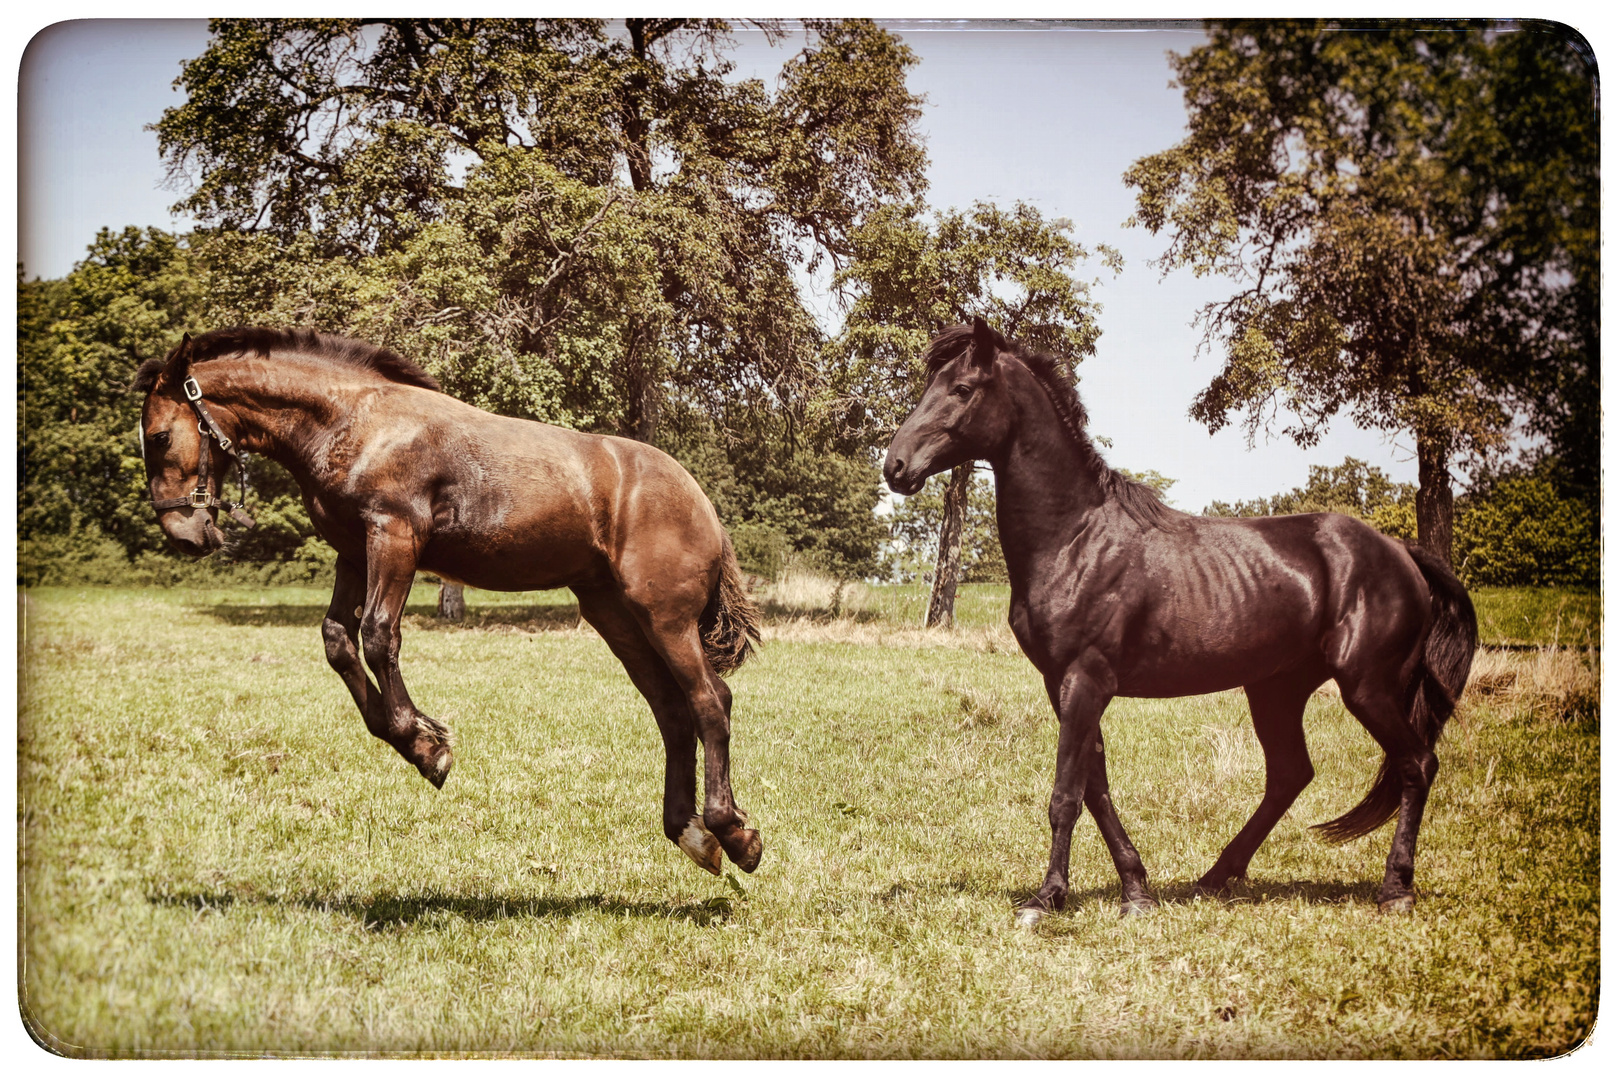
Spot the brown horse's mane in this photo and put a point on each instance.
(1138, 500)
(262, 340)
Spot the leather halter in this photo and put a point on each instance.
(203, 497)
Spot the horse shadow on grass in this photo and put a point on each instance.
(1252, 891)
(529, 617)
(389, 912)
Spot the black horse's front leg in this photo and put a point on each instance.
(390, 569)
(1080, 701)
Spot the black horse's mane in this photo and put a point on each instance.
(262, 340)
(1138, 500)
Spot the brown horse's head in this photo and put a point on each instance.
(964, 413)
(172, 446)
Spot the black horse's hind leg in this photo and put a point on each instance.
(607, 613)
(1135, 898)
(1385, 712)
(1080, 704)
(1278, 708)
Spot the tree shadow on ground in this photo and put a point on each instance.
(530, 617)
(391, 913)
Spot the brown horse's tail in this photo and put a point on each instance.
(731, 618)
(1447, 655)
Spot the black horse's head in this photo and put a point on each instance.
(180, 458)
(964, 414)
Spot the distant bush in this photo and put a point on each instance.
(1523, 532)
(84, 558)
(1512, 528)
(761, 549)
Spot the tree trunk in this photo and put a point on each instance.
(452, 604)
(1434, 495)
(942, 601)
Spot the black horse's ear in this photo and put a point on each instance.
(178, 366)
(986, 343)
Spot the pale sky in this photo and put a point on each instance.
(1051, 115)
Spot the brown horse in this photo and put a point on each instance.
(398, 476)
(1114, 593)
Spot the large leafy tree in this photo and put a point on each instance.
(909, 278)
(591, 224)
(565, 219)
(1411, 214)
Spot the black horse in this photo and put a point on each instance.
(1114, 592)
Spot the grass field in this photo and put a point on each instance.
(216, 857)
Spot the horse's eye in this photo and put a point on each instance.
(159, 439)
(962, 390)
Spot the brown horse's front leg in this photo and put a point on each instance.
(390, 568)
(341, 632)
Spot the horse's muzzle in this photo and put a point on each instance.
(899, 482)
(895, 475)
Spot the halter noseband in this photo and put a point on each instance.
(203, 497)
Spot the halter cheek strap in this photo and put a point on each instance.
(203, 497)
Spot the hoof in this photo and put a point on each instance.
(1208, 886)
(700, 845)
(439, 768)
(1397, 905)
(1029, 918)
(1141, 905)
(743, 847)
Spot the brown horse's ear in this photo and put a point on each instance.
(178, 366)
(986, 343)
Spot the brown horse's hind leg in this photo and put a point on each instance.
(1278, 708)
(672, 629)
(390, 568)
(606, 612)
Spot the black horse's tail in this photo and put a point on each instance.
(731, 618)
(1447, 655)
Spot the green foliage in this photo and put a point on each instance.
(81, 481)
(565, 220)
(908, 279)
(79, 341)
(1413, 213)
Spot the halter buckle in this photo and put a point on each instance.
(200, 499)
(193, 391)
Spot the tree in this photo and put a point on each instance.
(908, 279)
(575, 222)
(565, 220)
(915, 528)
(1416, 242)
